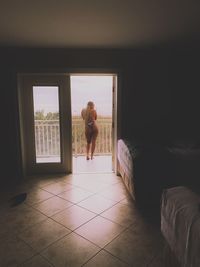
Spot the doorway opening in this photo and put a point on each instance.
(52, 131)
(100, 89)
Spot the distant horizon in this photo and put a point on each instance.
(83, 89)
(91, 88)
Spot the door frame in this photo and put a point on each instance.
(115, 108)
(69, 72)
(26, 121)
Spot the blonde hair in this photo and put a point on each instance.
(90, 105)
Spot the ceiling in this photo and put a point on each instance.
(96, 23)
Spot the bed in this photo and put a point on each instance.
(126, 155)
(180, 225)
(141, 166)
(147, 167)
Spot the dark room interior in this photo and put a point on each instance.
(153, 46)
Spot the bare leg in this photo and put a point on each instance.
(93, 147)
(87, 151)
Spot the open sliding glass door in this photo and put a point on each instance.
(114, 123)
(45, 123)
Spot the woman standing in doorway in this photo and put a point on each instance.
(89, 115)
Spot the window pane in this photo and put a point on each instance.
(46, 123)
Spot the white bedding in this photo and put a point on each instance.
(125, 158)
(180, 224)
(125, 165)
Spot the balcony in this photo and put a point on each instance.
(104, 140)
(47, 143)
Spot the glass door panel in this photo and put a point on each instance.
(46, 123)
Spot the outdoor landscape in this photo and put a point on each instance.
(46, 116)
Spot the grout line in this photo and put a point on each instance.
(77, 204)
(91, 258)
(46, 260)
(151, 260)
(115, 256)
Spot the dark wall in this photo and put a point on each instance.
(158, 86)
(185, 82)
(147, 95)
(162, 92)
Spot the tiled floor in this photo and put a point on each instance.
(77, 220)
(101, 164)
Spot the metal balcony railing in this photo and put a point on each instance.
(47, 137)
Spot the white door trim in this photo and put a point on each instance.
(26, 116)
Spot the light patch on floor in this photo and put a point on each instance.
(99, 164)
(73, 221)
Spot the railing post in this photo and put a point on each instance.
(75, 140)
(47, 137)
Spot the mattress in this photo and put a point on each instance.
(125, 156)
(184, 152)
(180, 224)
(127, 152)
(140, 165)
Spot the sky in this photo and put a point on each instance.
(45, 98)
(83, 89)
(91, 88)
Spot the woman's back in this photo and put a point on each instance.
(91, 116)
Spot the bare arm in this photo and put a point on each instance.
(95, 115)
(83, 113)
